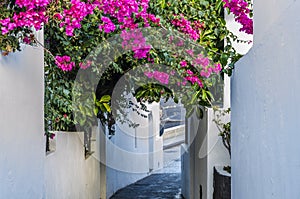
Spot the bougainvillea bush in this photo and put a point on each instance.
(74, 28)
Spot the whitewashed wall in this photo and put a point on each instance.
(22, 143)
(203, 151)
(131, 154)
(68, 175)
(265, 107)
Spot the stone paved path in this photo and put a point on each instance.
(156, 186)
(162, 184)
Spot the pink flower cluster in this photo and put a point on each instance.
(27, 40)
(135, 41)
(85, 65)
(123, 10)
(198, 26)
(162, 77)
(183, 63)
(108, 25)
(190, 76)
(75, 14)
(34, 16)
(241, 11)
(153, 19)
(190, 52)
(207, 71)
(203, 64)
(64, 63)
(201, 61)
(32, 4)
(185, 26)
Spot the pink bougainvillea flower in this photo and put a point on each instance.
(85, 65)
(185, 26)
(162, 77)
(31, 4)
(135, 41)
(108, 25)
(198, 26)
(194, 79)
(64, 63)
(189, 72)
(148, 74)
(241, 11)
(183, 63)
(217, 68)
(141, 52)
(26, 40)
(180, 43)
(58, 16)
(190, 52)
(205, 73)
(5, 22)
(28, 18)
(201, 61)
(75, 14)
(4, 30)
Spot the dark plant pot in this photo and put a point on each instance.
(222, 184)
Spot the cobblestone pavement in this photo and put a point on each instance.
(162, 184)
(156, 186)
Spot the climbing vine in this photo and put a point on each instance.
(73, 28)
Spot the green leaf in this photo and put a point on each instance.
(107, 107)
(105, 98)
(204, 96)
(102, 108)
(176, 10)
(96, 110)
(163, 2)
(224, 59)
(218, 4)
(204, 3)
(94, 97)
(176, 100)
(195, 97)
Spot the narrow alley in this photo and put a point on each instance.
(162, 184)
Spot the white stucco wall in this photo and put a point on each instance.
(125, 163)
(22, 148)
(204, 152)
(265, 107)
(267, 13)
(68, 175)
(132, 153)
(188, 158)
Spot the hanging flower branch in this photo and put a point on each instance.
(73, 28)
(242, 13)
